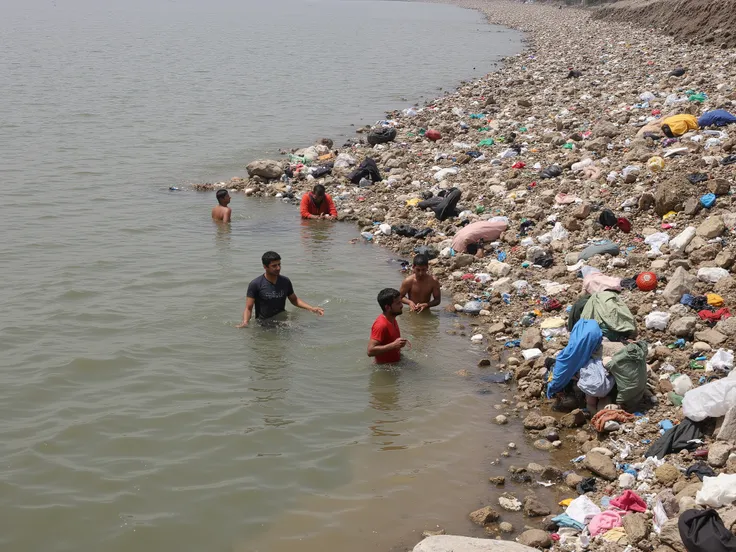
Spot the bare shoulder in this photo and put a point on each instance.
(411, 278)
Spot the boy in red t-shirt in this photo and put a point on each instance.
(386, 342)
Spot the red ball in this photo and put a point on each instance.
(646, 281)
(433, 135)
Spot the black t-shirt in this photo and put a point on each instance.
(270, 298)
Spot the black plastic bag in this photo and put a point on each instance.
(381, 135)
(704, 531)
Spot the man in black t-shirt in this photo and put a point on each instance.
(268, 293)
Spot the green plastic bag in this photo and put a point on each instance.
(629, 369)
(486, 142)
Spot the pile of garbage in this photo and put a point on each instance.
(577, 206)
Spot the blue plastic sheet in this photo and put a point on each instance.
(585, 338)
(717, 117)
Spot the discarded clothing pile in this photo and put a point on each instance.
(599, 420)
(443, 207)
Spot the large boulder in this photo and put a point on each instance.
(712, 227)
(265, 168)
(536, 538)
(452, 543)
(669, 197)
(601, 465)
(680, 282)
(531, 339)
(636, 527)
(683, 327)
(484, 515)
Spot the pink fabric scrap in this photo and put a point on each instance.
(631, 501)
(597, 281)
(605, 521)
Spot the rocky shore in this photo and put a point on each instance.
(563, 137)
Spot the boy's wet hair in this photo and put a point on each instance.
(221, 194)
(319, 189)
(421, 260)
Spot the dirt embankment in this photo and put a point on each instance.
(697, 21)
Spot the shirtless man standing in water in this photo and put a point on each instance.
(421, 290)
(222, 213)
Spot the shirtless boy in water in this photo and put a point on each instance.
(222, 212)
(421, 290)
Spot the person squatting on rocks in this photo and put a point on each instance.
(268, 293)
(318, 205)
(386, 342)
(471, 238)
(222, 213)
(421, 290)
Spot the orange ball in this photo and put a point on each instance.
(646, 281)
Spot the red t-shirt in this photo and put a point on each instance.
(386, 332)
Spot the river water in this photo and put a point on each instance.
(134, 415)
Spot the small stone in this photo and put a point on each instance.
(718, 454)
(636, 526)
(719, 186)
(683, 327)
(497, 480)
(576, 418)
(536, 538)
(524, 102)
(506, 527)
(501, 419)
(582, 211)
(572, 480)
(711, 227)
(498, 327)
(512, 446)
(531, 339)
(601, 465)
(484, 362)
(534, 508)
(667, 474)
(484, 516)
(543, 444)
(713, 337)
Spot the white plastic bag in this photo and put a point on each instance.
(657, 320)
(594, 380)
(441, 174)
(711, 400)
(711, 274)
(385, 229)
(717, 491)
(530, 354)
(582, 509)
(559, 233)
(682, 384)
(656, 241)
(722, 360)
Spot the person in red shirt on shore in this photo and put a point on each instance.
(386, 343)
(318, 205)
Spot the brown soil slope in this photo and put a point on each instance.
(698, 21)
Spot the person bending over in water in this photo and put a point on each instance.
(268, 293)
(222, 212)
(386, 343)
(318, 205)
(421, 290)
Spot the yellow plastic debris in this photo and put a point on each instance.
(413, 202)
(565, 502)
(669, 215)
(714, 300)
